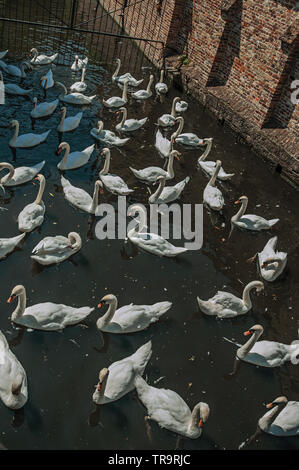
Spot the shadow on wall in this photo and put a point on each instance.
(229, 45)
(183, 16)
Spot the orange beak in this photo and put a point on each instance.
(270, 405)
(99, 386)
(10, 299)
(247, 333)
(101, 191)
(59, 151)
(238, 201)
(200, 424)
(100, 304)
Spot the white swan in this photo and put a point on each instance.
(107, 137)
(144, 94)
(151, 173)
(78, 64)
(126, 76)
(128, 125)
(80, 198)
(53, 250)
(165, 146)
(14, 70)
(209, 166)
(181, 107)
(80, 86)
(7, 245)
(170, 411)
(45, 316)
(70, 123)
(74, 98)
(47, 81)
(32, 216)
(130, 318)
(167, 194)
(272, 263)
(73, 160)
(282, 419)
(3, 54)
(41, 59)
(267, 353)
(43, 109)
(116, 101)
(119, 378)
(161, 87)
(13, 379)
(19, 175)
(154, 244)
(167, 120)
(13, 89)
(26, 140)
(249, 221)
(212, 196)
(115, 184)
(188, 138)
(226, 305)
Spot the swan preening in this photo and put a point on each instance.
(170, 411)
(250, 221)
(80, 198)
(26, 140)
(71, 161)
(151, 173)
(115, 184)
(32, 216)
(13, 379)
(226, 305)
(41, 59)
(19, 175)
(271, 262)
(267, 353)
(127, 76)
(150, 242)
(107, 137)
(7, 245)
(119, 378)
(45, 316)
(282, 419)
(53, 250)
(130, 318)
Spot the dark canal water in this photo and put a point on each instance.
(189, 351)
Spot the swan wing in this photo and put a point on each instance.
(163, 145)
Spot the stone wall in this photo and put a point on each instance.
(245, 51)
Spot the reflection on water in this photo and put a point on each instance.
(188, 348)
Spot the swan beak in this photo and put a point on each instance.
(100, 304)
(263, 265)
(99, 386)
(270, 405)
(11, 298)
(71, 247)
(247, 333)
(59, 151)
(238, 202)
(200, 424)
(101, 191)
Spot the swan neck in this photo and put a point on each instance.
(20, 309)
(95, 198)
(206, 152)
(76, 245)
(106, 319)
(170, 166)
(62, 117)
(124, 116)
(106, 168)
(173, 111)
(149, 85)
(214, 176)
(242, 210)
(116, 70)
(194, 418)
(16, 133)
(180, 128)
(41, 190)
(125, 90)
(266, 421)
(66, 154)
(246, 294)
(161, 186)
(10, 174)
(246, 348)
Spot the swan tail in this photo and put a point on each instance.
(201, 303)
(140, 384)
(45, 134)
(180, 186)
(141, 357)
(273, 222)
(65, 183)
(79, 314)
(136, 172)
(272, 243)
(143, 121)
(159, 309)
(18, 238)
(38, 167)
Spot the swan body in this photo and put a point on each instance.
(80, 198)
(47, 80)
(13, 70)
(53, 250)
(130, 318)
(165, 146)
(126, 76)
(43, 109)
(119, 378)
(46, 316)
(144, 94)
(115, 184)
(13, 379)
(69, 123)
(80, 86)
(129, 125)
(26, 140)
(41, 59)
(20, 175)
(170, 411)
(73, 160)
(167, 194)
(249, 221)
(227, 305)
(282, 419)
(150, 242)
(212, 196)
(271, 262)
(267, 353)
(107, 137)
(168, 120)
(209, 166)
(117, 101)
(7, 245)
(181, 107)
(74, 98)
(151, 173)
(13, 89)
(32, 216)
(78, 64)
(188, 138)
(161, 87)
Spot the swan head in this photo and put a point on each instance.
(17, 385)
(242, 200)
(14, 123)
(63, 145)
(107, 299)
(63, 110)
(295, 357)
(280, 401)
(175, 154)
(34, 101)
(105, 152)
(254, 329)
(207, 140)
(120, 110)
(160, 178)
(33, 51)
(18, 290)
(74, 239)
(103, 376)
(99, 184)
(117, 61)
(204, 413)
(76, 58)
(259, 286)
